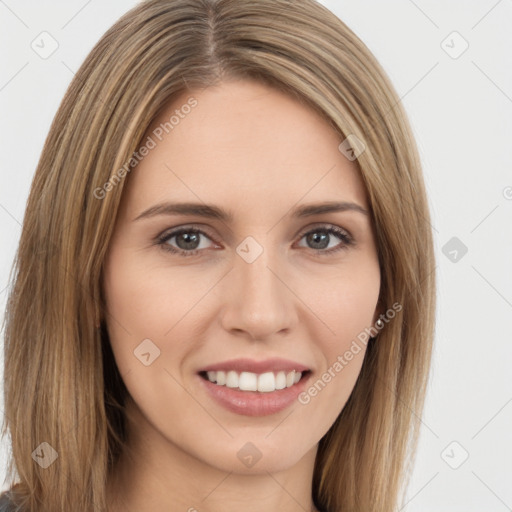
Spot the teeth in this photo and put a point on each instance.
(248, 381)
(280, 380)
(266, 382)
(232, 379)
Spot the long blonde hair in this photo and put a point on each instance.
(61, 384)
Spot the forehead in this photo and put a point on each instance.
(242, 143)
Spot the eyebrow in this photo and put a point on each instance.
(214, 212)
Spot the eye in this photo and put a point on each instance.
(320, 238)
(188, 241)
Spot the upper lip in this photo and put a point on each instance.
(250, 365)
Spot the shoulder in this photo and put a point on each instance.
(6, 504)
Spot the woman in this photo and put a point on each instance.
(224, 292)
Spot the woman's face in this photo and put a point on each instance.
(239, 283)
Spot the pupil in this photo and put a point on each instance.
(190, 240)
(322, 239)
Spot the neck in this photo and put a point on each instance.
(157, 475)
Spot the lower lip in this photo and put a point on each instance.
(254, 403)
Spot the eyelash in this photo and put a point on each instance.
(347, 240)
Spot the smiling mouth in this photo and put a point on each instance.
(247, 381)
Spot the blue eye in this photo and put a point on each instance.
(188, 240)
(325, 238)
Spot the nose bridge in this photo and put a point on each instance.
(258, 282)
(258, 300)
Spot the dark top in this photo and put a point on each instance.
(6, 504)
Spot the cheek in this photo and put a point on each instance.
(139, 296)
(347, 306)
(148, 302)
(134, 306)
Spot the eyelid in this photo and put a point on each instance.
(172, 232)
(325, 225)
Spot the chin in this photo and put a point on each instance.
(255, 453)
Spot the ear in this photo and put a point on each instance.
(379, 310)
(98, 318)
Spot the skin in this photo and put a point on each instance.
(258, 153)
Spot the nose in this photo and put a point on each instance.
(259, 302)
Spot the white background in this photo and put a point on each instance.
(461, 112)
